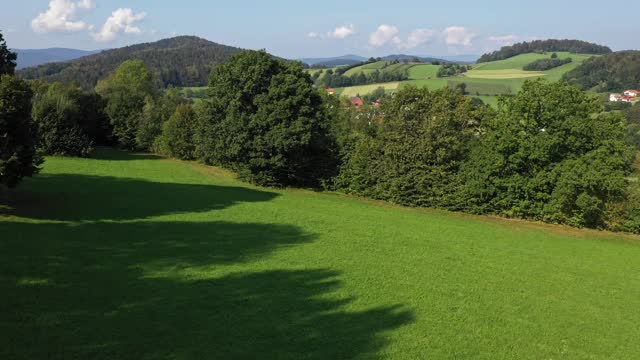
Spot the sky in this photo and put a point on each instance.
(296, 29)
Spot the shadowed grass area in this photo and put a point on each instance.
(136, 257)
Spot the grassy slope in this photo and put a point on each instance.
(133, 257)
(497, 77)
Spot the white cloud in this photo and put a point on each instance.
(417, 38)
(61, 16)
(383, 35)
(313, 35)
(121, 21)
(342, 32)
(458, 36)
(504, 39)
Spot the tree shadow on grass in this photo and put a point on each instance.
(72, 197)
(106, 153)
(153, 290)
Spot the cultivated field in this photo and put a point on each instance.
(486, 80)
(175, 260)
(366, 89)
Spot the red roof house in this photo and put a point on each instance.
(632, 93)
(356, 101)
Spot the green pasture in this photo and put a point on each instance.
(131, 256)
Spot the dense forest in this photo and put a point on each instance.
(618, 71)
(542, 46)
(179, 61)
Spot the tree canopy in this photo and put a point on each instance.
(549, 154)
(18, 133)
(264, 118)
(126, 91)
(7, 58)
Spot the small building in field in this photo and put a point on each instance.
(615, 97)
(357, 101)
(331, 91)
(632, 93)
(627, 98)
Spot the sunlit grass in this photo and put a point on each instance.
(137, 257)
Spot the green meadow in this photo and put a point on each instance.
(131, 256)
(485, 81)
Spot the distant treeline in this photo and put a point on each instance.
(613, 72)
(180, 61)
(331, 78)
(546, 64)
(543, 46)
(448, 70)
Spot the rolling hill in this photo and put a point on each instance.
(485, 81)
(178, 61)
(35, 57)
(617, 72)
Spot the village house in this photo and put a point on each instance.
(627, 96)
(331, 91)
(356, 101)
(615, 97)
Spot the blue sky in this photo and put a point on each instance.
(321, 28)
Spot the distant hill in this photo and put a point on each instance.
(618, 71)
(414, 58)
(542, 46)
(334, 61)
(178, 61)
(35, 57)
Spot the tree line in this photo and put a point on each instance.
(332, 78)
(546, 64)
(448, 70)
(548, 153)
(544, 46)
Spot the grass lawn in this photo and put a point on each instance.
(423, 72)
(136, 257)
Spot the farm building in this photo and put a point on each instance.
(615, 97)
(632, 93)
(331, 91)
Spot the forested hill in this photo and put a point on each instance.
(540, 46)
(178, 61)
(618, 71)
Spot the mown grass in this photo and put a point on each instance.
(135, 257)
(423, 72)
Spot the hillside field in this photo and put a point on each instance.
(486, 80)
(131, 256)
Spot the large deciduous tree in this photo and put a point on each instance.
(263, 118)
(7, 58)
(177, 134)
(126, 91)
(58, 113)
(18, 135)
